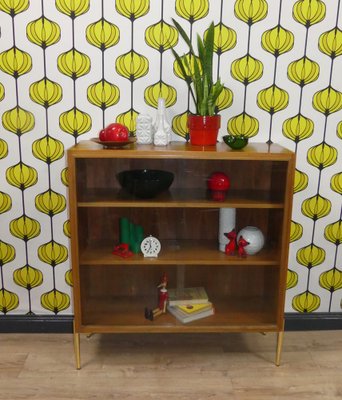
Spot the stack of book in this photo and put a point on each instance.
(189, 304)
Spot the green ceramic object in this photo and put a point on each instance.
(235, 142)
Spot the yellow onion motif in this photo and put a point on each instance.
(102, 34)
(160, 89)
(103, 94)
(5, 202)
(14, 7)
(309, 12)
(188, 62)
(306, 302)
(2, 92)
(243, 124)
(15, 62)
(327, 101)
(292, 279)
(75, 122)
(333, 232)
(132, 9)
(331, 280)
(339, 130)
(7, 253)
(18, 120)
(55, 301)
(330, 43)
(277, 41)
(66, 229)
(296, 231)
(28, 277)
(52, 253)
(8, 301)
(73, 8)
(180, 125)
(131, 65)
(43, 32)
(21, 176)
(336, 183)
(316, 207)
(224, 100)
(64, 177)
(128, 119)
(303, 71)
(161, 36)
(25, 228)
(50, 202)
(46, 92)
(298, 128)
(250, 11)
(192, 10)
(3, 149)
(247, 69)
(273, 99)
(310, 256)
(224, 38)
(48, 149)
(322, 156)
(73, 64)
(301, 181)
(68, 278)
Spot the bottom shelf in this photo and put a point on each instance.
(126, 314)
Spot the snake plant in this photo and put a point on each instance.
(203, 90)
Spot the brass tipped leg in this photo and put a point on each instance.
(279, 347)
(77, 349)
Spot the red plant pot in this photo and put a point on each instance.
(203, 130)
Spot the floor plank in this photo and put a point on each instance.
(176, 366)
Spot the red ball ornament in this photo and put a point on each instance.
(218, 184)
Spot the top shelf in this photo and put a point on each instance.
(180, 150)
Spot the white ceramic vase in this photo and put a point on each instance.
(254, 237)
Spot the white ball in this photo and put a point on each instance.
(255, 237)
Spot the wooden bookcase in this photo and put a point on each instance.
(110, 292)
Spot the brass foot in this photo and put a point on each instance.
(77, 349)
(279, 347)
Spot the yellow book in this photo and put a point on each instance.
(194, 308)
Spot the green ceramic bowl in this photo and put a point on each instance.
(235, 142)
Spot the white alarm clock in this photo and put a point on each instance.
(150, 246)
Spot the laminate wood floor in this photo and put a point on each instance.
(175, 366)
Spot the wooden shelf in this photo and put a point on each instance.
(110, 292)
(178, 198)
(188, 252)
(125, 314)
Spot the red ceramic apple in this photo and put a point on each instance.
(114, 133)
(102, 135)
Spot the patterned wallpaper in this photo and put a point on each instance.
(70, 67)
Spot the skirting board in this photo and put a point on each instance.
(63, 324)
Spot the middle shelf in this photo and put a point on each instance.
(173, 252)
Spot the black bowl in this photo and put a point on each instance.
(145, 183)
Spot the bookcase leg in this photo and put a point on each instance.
(77, 349)
(279, 347)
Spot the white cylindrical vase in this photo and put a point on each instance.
(227, 219)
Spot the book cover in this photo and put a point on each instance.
(195, 308)
(185, 296)
(186, 318)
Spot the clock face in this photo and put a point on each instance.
(150, 246)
